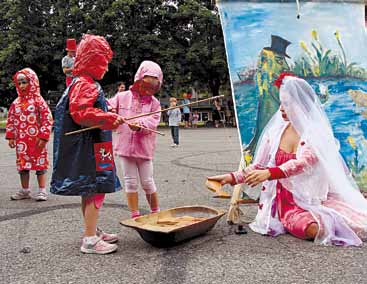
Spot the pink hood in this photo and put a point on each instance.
(149, 68)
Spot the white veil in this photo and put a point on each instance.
(305, 112)
(318, 182)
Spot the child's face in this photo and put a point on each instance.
(173, 103)
(23, 84)
(105, 71)
(122, 88)
(149, 86)
(71, 53)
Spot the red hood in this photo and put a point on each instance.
(92, 56)
(34, 85)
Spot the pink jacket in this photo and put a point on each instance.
(137, 144)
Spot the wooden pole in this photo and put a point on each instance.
(145, 114)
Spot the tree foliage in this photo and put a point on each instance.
(183, 36)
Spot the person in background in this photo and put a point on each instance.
(68, 60)
(216, 112)
(121, 87)
(195, 119)
(186, 109)
(174, 119)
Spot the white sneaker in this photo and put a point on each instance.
(108, 238)
(21, 194)
(173, 145)
(99, 247)
(41, 196)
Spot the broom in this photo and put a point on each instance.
(234, 212)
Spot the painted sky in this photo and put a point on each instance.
(248, 26)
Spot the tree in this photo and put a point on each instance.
(184, 37)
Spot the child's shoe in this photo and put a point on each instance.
(155, 210)
(21, 194)
(97, 247)
(41, 196)
(135, 214)
(108, 238)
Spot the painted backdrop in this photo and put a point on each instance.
(326, 46)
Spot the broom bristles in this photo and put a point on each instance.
(234, 214)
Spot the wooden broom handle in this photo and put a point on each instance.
(170, 108)
(145, 114)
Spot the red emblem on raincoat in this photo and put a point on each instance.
(104, 157)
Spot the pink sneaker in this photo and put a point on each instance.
(108, 238)
(99, 247)
(21, 194)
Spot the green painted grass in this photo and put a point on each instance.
(319, 61)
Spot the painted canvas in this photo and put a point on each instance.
(326, 45)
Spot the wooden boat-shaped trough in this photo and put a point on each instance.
(172, 226)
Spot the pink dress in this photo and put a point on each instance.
(294, 219)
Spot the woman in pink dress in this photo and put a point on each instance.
(305, 187)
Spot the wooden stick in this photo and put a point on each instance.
(98, 126)
(142, 127)
(170, 108)
(144, 114)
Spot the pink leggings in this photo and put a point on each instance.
(134, 167)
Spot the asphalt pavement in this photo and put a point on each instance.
(39, 241)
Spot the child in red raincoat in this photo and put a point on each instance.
(83, 162)
(28, 129)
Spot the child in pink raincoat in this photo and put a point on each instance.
(135, 146)
(28, 129)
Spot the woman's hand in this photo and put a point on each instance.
(257, 176)
(223, 179)
(11, 143)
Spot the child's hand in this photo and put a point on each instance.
(134, 126)
(119, 120)
(40, 143)
(11, 143)
(111, 109)
(223, 179)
